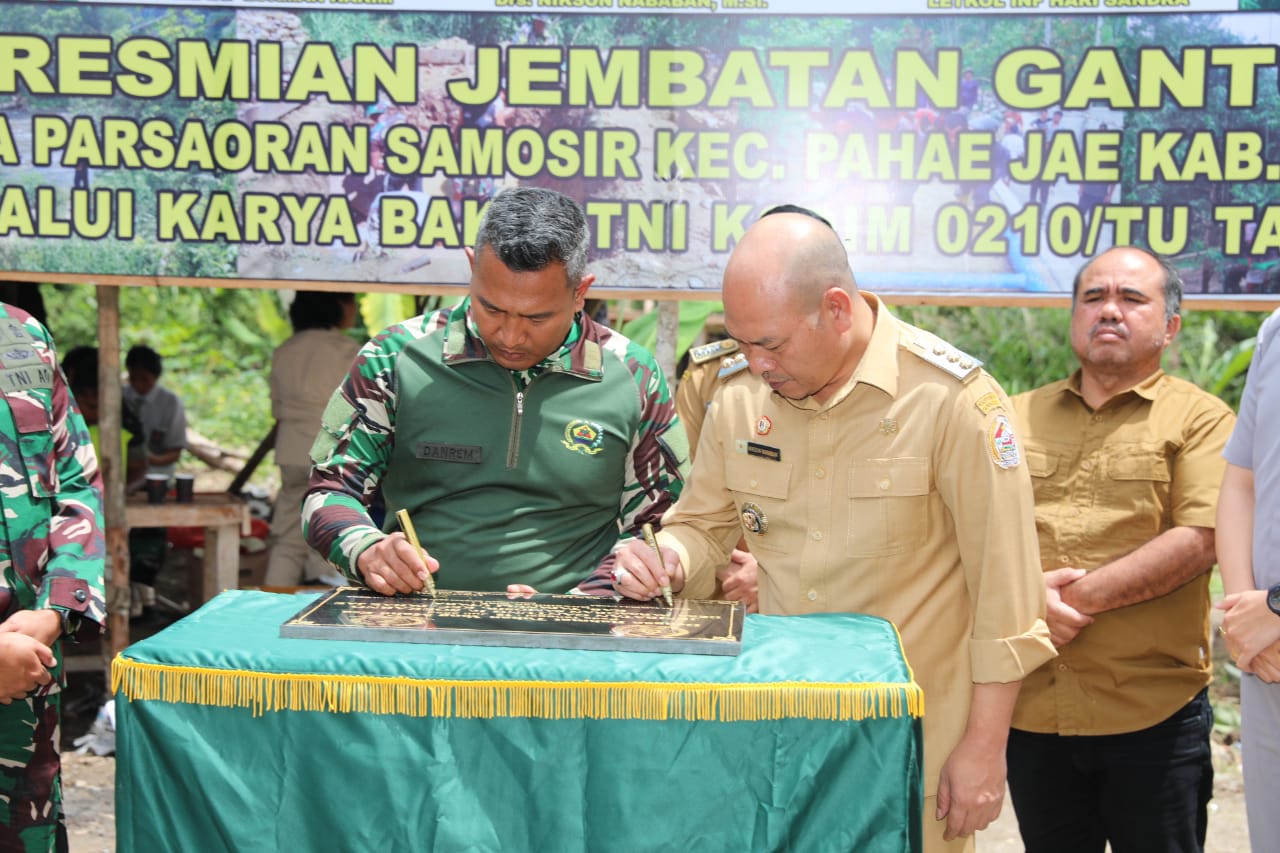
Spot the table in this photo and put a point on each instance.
(229, 737)
(223, 516)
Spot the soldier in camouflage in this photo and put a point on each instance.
(524, 439)
(53, 554)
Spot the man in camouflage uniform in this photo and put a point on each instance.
(524, 439)
(52, 553)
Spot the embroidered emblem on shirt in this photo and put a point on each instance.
(1002, 443)
(763, 425)
(584, 436)
(754, 519)
(888, 426)
(764, 451)
(988, 402)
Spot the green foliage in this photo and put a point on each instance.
(1021, 347)
(693, 316)
(216, 344)
(380, 310)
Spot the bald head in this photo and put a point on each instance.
(788, 257)
(791, 303)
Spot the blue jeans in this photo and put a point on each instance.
(1143, 791)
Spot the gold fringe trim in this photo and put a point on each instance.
(262, 692)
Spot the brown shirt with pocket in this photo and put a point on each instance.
(1106, 482)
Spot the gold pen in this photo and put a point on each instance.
(406, 524)
(652, 542)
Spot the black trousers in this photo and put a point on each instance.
(1141, 791)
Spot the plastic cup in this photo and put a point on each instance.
(157, 488)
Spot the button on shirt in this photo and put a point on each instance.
(917, 517)
(1106, 482)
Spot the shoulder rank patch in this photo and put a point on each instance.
(943, 355)
(988, 402)
(732, 364)
(715, 349)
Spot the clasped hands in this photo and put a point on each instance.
(1252, 632)
(26, 653)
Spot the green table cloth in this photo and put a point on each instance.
(231, 738)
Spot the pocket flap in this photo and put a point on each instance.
(875, 478)
(1139, 465)
(758, 477)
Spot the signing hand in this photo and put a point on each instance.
(393, 565)
(638, 574)
(24, 665)
(1064, 621)
(739, 579)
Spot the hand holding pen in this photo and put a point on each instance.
(394, 564)
(642, 571)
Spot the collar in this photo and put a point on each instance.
(1146, 389)
(579, 354)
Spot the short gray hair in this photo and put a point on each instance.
(529, 228)
(1172, 281)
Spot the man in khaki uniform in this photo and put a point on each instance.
(1111, 740)
(710, 366)
(874, 469)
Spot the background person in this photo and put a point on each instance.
(1111, 740)
(1248, 511)
(162, 420)
(305, 370)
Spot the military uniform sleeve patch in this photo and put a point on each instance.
(334, 423)
(988, 402)
(1002, 443)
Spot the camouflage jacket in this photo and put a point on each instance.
(505, 484)
(52, 550)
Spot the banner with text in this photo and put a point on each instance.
(959, 147)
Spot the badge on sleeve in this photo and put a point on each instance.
(988, 402)
(1002, 443)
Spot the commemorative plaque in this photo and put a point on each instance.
(540, 620)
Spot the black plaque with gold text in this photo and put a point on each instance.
(538, 621)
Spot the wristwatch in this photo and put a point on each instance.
(1273, 599)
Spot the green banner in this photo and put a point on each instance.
(958, 152)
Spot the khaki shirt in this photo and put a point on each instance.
(902, 496)
(1107, 482)
(710, 365)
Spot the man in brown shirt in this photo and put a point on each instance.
(874, 470)
(1111, 739)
